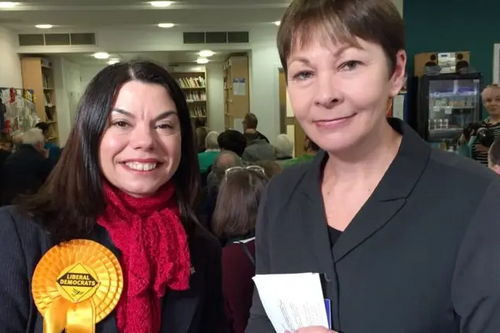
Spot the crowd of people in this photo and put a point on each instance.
(26, 160)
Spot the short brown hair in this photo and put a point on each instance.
(235, 213)
(376, 21)
(251, 121)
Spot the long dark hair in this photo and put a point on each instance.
(72, 197)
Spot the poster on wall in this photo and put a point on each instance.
(239, 87)
(496, 63)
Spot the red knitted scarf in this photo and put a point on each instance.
(154, 254)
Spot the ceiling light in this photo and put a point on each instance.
(206, 53)
(166, 25)
(277, 23)
(8, 4)
(202, 61)
(113, 61)
(44, 26)
(160, 4)
(101, 55)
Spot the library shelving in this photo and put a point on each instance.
(38, 75)
(193, 81)
(236, 91)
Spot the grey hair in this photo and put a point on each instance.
(211, 140)
(283, 146)
(33, 137)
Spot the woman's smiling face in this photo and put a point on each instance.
(339, 92)
(141, 148)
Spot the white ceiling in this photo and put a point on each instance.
(94, 14)
(164, 58)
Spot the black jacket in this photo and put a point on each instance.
(422, 254)
(23, 242)
(24, 172)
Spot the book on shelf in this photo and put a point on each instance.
(196, 96)
(191, 82)
(198, 112)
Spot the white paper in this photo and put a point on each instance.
(292, 301)
(239, 88)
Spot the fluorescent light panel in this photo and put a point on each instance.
(206, 53)
(160, 4)
(44, 26)
(202, 61)
(8, 4)
(166, 25)
(101, 55)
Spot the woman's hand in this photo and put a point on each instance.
(313, 329)
(482, 149)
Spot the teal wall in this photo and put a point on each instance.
(454, 25)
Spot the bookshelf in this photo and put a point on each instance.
(193, 81)
(38, 75)
(236, 91)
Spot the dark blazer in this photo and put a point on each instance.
(22, 243)
(422, 254)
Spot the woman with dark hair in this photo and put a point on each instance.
(234, 220)
(111, 239)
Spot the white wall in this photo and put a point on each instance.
(215, 96)
(10, 66)
(68, 85)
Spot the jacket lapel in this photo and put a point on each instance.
(388, 198)
(315, 216)
(391, 193)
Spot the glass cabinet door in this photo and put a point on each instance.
(453, 104)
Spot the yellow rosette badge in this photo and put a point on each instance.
(76, 285)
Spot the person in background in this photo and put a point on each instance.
(283, 148)
(54, 152)
(6, 147)
(494, 156)
(6, 142)
(473, 148)
(232, 140)
(250, 123)
(206, 158)
(17, 140)
(258, 149)
(271, 168)
(25, 170)
(234, 220)
(406, 237)
(310, 150)
(127, 179)
(200, 137)
(225, 160)
(208, 196)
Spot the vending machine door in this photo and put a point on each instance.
(452, 102)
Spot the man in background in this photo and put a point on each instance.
(54, 152)
(233, 141)
(310, 151)
(250, 123)
(25, 170)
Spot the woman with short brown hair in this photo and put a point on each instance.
(403, 234)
